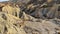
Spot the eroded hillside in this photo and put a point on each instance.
(30, 17)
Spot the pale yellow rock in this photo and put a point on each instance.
(27, 17)
(49, 1)
(11, 10)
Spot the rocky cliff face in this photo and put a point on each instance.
(30, 17)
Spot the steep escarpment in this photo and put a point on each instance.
(30, 17)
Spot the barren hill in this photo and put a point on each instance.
(30, 17)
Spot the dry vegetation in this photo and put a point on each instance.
(30, 17)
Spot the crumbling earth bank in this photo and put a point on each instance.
(14, 25)
(30, 17)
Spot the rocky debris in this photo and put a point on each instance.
(11, 10)
(30, 17)
(43, 27)
(46, 9)
(15, 25)
(10, 25)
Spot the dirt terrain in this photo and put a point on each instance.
(30, 17)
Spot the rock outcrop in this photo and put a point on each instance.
(30, 17)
